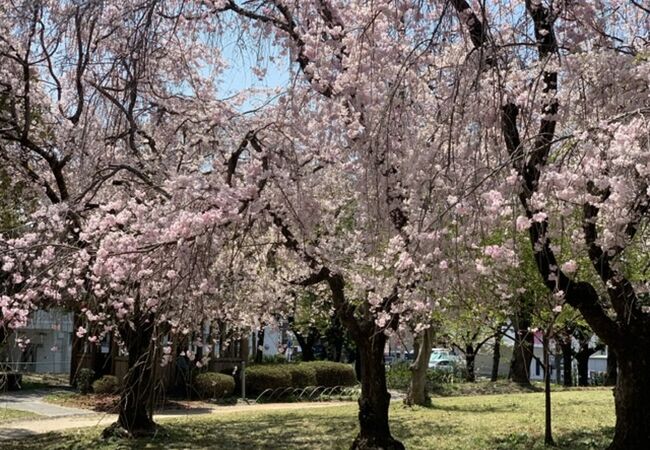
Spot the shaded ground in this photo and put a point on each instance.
(582, 420)
(45, 380)
(108, 402)
(28, 428)
(33, 401)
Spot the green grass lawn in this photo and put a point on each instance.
(583, 420)
(7, 414)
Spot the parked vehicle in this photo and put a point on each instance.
(443, 359)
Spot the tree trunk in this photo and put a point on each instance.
(583, 368)
(137, 395)
(632, 397)
(335, 337)
(610, 377)
(357, 364)
(417, 393)
(567, 363)
(259, 353)
(470, 358)
(306, 345)
(374, 430)
(522, 353)
(496, 358)
(548, 430)
(558, 362)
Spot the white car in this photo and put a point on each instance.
(444, 365)
(443, 359)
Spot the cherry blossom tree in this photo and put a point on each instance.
(364, 187)
(573, 118)
(406, 131)
(109, 113)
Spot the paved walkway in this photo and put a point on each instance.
(32, 401)
(24, 428)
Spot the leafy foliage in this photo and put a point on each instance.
(107, 384)
(214, 385)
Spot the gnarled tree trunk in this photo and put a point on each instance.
(137, 396)
(522, 353)
(417, 393)
(470, 358)
(374, 432)
(632, 397)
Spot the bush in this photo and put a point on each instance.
(214, 385)
(302, 375)
(274, 359)
(398, 376)
(262, 377)
(108, 384)
(330, 374)
(84, 380)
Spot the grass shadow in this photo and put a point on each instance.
(574, 440)
(472, 408)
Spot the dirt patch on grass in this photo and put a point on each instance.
(108, 403)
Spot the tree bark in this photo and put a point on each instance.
(496, 358)
(582, 358)
(470, 358)
(567, 362)
(548, 430)
(335, 337)
(417, 392)
(136, 399)
(632, 397)
(259, 352)
(522, 353)
(374, 430)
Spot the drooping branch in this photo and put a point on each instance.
(580, 295)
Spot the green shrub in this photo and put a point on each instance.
(398, 376)
(108, 384)
(214, 385)
(84, 380)
(302, 375)
(274, 359)
(330, 374)
(262, 377)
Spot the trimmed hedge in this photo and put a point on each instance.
(262, 377)
(298, 375)
(214, 385)
(302, 375)
(330, 374)
(108, 384)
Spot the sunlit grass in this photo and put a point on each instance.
(582, 420)
(7, 414)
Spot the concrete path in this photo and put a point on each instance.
(32, 401)
(24, 428)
